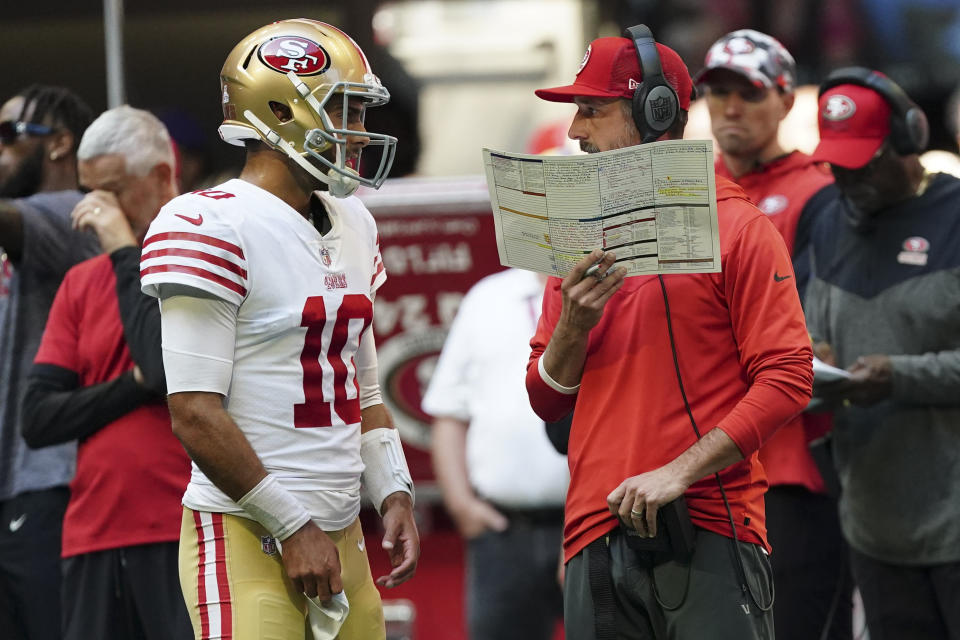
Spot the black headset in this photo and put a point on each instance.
(655, 103)
(909, 129)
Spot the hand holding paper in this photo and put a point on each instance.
(867, 381)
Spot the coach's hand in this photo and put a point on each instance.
(400, 539)
(312, 562)
(586, 291)
(638, 498)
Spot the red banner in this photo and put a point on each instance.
(437, 239)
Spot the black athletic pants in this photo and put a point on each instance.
(811, 569)
(130, 593)
(30, 526)
(919, 603)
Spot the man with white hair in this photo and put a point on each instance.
(98, 378)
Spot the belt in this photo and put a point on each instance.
(532, 515)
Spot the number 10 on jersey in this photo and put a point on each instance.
(339, 374)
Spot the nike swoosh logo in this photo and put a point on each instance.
(16, 524)
(360, 544)
(195, 221)
(779, 278)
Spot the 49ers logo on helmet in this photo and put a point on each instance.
(288, 53)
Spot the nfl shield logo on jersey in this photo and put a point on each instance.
(268, 545)
(325, 256)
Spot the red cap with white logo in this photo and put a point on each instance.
(854, 122)
(610, 69)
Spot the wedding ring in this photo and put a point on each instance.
(636, 514)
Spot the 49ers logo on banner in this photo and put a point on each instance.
(301, 55)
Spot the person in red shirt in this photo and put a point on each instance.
(98, 378)
(677, 380)
(749, 80)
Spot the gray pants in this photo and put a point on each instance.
(699, 601)
(512, 590)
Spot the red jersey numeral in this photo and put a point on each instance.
(315, 411)
(213, 193)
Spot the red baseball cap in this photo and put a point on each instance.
(854, 122)
(610, 69)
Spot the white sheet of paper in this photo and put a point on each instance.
(823, 372)
(654, 205)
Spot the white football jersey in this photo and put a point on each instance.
(304, 300)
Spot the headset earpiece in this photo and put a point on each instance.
(655, 104)
(909, 128)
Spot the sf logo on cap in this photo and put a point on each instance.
(586, 57)
(302, 56)
(739, 46)
(839, 107)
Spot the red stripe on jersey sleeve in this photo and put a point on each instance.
(195, 271)
(376, 273)
(196, 237)
(199, 255)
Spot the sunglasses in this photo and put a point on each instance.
(11, 130)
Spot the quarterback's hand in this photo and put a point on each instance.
(584, 296)
(638, 498)
(100, 212)
(474, 516)
(400, 539)
(312, 562)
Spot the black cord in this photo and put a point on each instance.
(744, 585)
(656, 590)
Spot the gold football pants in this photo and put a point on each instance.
(235, 585)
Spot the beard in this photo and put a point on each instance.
(629, 137)
(26, 178)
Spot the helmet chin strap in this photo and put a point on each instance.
(339, 185)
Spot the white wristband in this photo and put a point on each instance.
(385, 468)
(553, 384)
(275, 508)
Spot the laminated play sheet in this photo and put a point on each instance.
(653, 205)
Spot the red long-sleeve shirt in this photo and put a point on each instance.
(781, 189)
(744, 356)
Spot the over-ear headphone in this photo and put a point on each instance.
(909, 129)
(655, 103)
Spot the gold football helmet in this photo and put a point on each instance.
(303, 65)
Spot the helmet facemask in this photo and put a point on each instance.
(319, 141)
